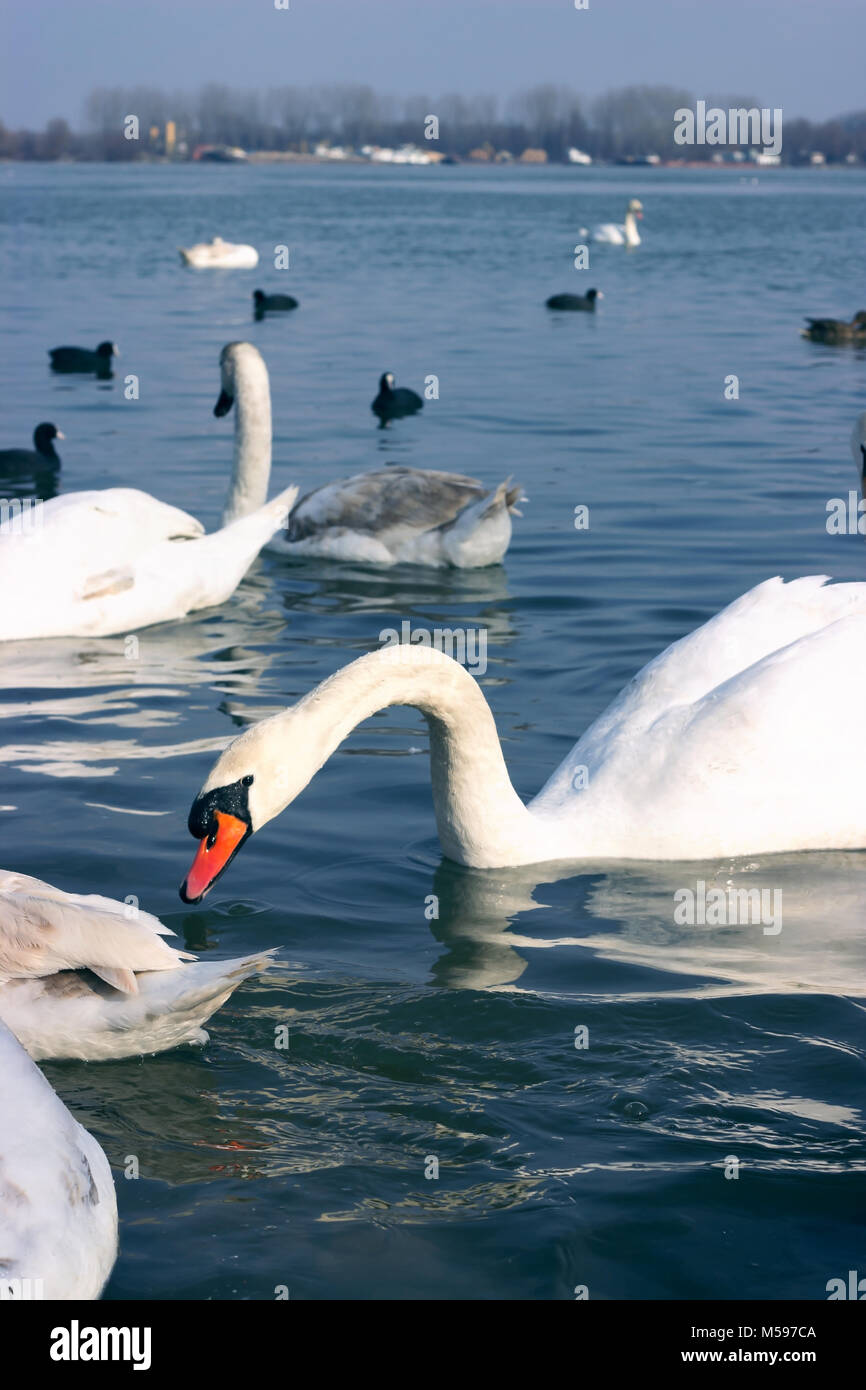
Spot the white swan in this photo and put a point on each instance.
(58, 1210)
(621, 233)
(140, 995)
(89, 564)
(219, 254)
(386, 517)
(743, 737)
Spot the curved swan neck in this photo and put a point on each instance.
(480, 818)
(251, 469)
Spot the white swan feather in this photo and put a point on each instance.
(147, 995)
(58, 1210)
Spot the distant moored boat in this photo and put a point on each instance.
(219, 254)
(220, 154)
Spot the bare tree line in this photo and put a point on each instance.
(629, 121)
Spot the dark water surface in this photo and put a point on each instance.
(452, 1039)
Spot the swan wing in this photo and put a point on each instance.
(770, 760)
(763, 620)
(172, 580)
(59, 542)
(145, 518)
(165, 583)
(610, 232)
(43, 930)
(58, 1210)
(389, 503)
(13, 882)
(767, 618)
(74, 1015)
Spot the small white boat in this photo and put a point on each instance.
(219, 254)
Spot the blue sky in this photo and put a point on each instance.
(802, 55)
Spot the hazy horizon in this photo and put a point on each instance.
(785, 53)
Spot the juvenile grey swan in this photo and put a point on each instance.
(386, 517)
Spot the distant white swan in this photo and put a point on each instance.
(58, 1211)
(219, 254)
(89, 564)
(385, 517)
(621, 233)
(744, 737)
(87, 977)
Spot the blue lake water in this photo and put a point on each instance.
(451, 1038)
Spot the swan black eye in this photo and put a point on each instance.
(211, 839)
(248, 780)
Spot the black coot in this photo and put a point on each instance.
(391, 403)
(271, 303)
(43, 453)
(76, 359)
(585, 302)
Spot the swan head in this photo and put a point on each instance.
(259, 296)
(267, 767)
(246, 788)
(386, 381)
(635, 207)
(858, 445)
(220, 819)
(235, 359)
(108, 350)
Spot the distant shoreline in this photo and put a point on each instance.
(290, 157)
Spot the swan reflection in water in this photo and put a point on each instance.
(171, 1113)
(809, 936)
(339, 588)
(144, 681)
(136, 683)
